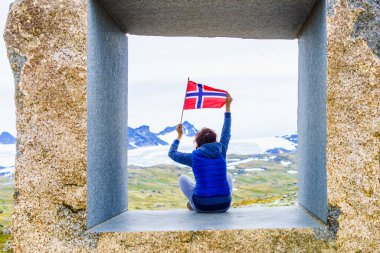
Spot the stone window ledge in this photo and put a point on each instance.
(185, 220)
(107, 108)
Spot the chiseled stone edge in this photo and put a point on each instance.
(367, 24)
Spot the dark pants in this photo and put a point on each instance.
(187, 186)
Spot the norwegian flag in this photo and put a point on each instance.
(199, 96)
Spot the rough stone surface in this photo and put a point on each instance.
(353, 131)
(367, 24)
(46, 43)
(330, 7)
(17, 62)
(50, 179)
(332, 220)
(261, 240)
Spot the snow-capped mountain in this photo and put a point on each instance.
(7, 138)
(170, 133)
(150, 156)
(143, 137)
(292, 138)
(188, 130)
(147, 148)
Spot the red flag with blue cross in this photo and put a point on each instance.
(200, 96)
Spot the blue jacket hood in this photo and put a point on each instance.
(209, 150)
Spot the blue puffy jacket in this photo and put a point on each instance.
(208, 163)
(210, 171)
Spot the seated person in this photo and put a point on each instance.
(212, 191)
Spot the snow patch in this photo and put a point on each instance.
(7, 155)
(241, 161)
(254, 169)
(7, 172)
(286, 163)
(150, 156)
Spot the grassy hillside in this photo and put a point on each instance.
(157, 187)
(6, 205)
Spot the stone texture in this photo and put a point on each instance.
(261, 240)
(248, 218)
(269, 19)
(353, 130)
(311, 113)
(47, 42)
(107, 91)
(367, 24)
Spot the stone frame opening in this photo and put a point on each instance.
(107, 90)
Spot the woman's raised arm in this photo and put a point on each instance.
(226, 131)
(179, 157)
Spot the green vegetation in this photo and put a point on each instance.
(6, 206)
(156, 187)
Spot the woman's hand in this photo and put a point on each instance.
(179, 131)
(228, 102)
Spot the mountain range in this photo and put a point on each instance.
(7, 138)
(292, 138)
(143, 137)
(137, 137)
(188, 130)
(157, 150)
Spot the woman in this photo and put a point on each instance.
(212, 191)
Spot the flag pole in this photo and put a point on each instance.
(188, 79)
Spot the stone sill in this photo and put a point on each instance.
(185, 220)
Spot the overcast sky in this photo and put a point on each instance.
(7, 107)
(261, 76)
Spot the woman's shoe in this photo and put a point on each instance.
(189, 206)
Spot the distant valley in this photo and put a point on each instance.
(264, 169)
(148, 149)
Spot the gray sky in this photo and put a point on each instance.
(261, 76)
(7, 107)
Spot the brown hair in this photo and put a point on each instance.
(206, 135)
